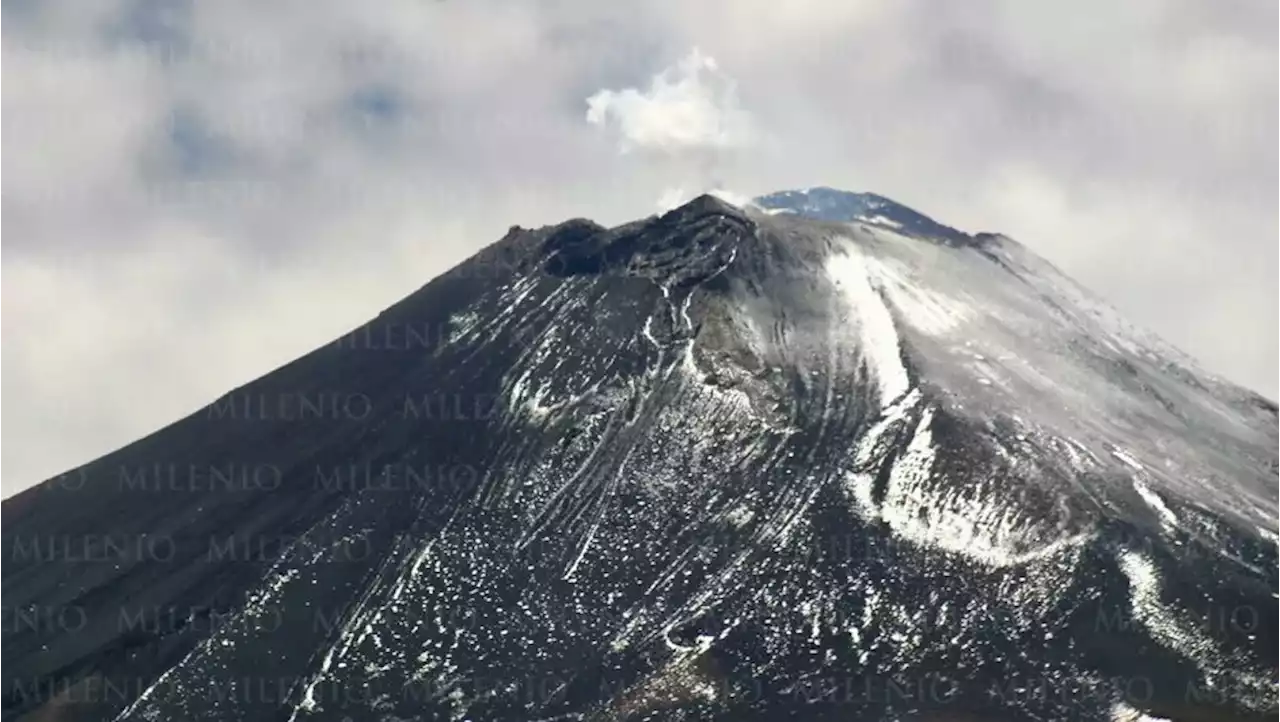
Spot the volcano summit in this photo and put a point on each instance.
(820, 457)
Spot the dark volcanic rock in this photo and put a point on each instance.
(719, 464)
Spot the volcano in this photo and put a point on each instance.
(818, 457)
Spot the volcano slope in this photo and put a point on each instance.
(821, 458)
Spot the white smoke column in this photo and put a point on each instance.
(672, 198)
(731, 197)
(689, 115)
(691, 106)
(676, 197)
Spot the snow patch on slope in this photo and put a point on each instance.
(919, 510)
(953, 521)
(877, 337)
(926, 310)
(1121, 712)
(1175, 630)
(1167, 517)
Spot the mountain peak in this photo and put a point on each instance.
(705, 204)
(823, 203)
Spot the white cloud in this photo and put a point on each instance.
(686, 124)
(689, 107)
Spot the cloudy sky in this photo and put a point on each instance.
(197, 192)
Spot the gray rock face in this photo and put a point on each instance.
(820, 458)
